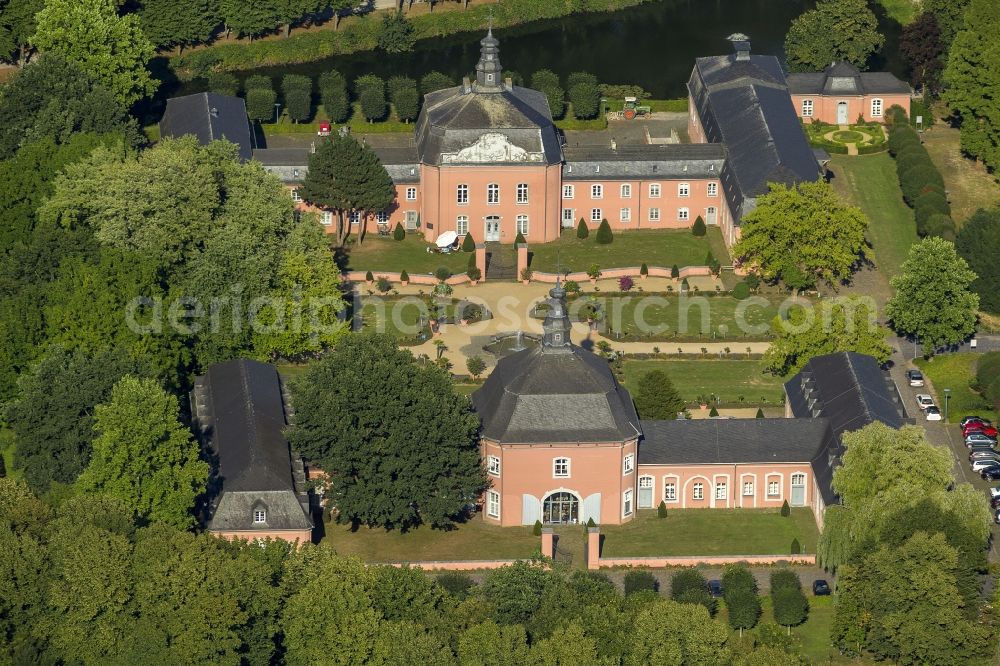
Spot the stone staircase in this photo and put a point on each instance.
(501, 263)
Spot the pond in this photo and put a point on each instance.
(652, 45)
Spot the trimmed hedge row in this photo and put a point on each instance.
(919, 179)
(362, 34)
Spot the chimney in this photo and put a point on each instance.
(741, 46)
(466, 85)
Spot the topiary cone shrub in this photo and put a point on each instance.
(675, 272)
(537, 529)
(399, 233)
(698, 228)
(785, 510)
(713, 412)
(760, 413)
(644, 270)
(519, 239)
(582, 230)
(590, 522)
(369, 278)
(796, 547)
(604, 234)
(661, 510)
(468, 243)
(404, 276)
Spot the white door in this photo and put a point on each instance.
(492, 228)
(798, 489)
(841, 113)
(710, 215)
(645, 492)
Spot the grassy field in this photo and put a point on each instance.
(730, 380)
(901, 11)
(955, 371)
(969, 185)
(630, 248)
(870, 183)
(715, 532)
(378, 253)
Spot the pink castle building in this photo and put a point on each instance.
(841, 94)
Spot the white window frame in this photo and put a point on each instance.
(492, 504)
(628, 465)
(493, 465)
(561, 462)
(698, 491)
(382, 217)
(748, 489)
(654, 214)
(721, 491)
(462, 194)
(877, 107)
(596, 215)
(625, 215)
(654, 191)
(627, 503)
(568, 191)
(296, 197)
(683, 190)
(521, 225)
(776, 482)
(493, 194)
(684, 214)
(807, 108)
(713, 189)
(522, 193)
(462, 225)
(354, 217)
(597, 191)
(411, 194)
(326, 218)
(259, 516)
(571, 217)
(626, 191)
(670, 489)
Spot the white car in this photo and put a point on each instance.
(932, 413)
(980, 465)
(924, 401)
(915, 378)
(994, 492)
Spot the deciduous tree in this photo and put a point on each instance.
(921, 46)
(979, 244)
(434, 80)
(297, 91)
(396, 35)
(17, 25)
(834, 30)
(333, 94)
(180, 23)
(547, 82)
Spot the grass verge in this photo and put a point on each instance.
(956, 371)
(734, 382)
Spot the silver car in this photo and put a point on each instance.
(974, 438)
(980, 465)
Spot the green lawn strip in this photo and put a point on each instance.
(378, 253)
(568, 122)
(955, 371)
(813, 634)
(465, 389)
(630, 248)
(711, 532)
(474, 540)
(7, 452)
(870, 183)
(729, 380)
(901, 11)
(679, 105)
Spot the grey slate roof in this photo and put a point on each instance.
(240, 414)
(745, 105)
(209, 117)
(292, 164)
(842, 78)
(536, 397)
(697, 160)
(456, 118)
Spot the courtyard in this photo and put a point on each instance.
(734, 383)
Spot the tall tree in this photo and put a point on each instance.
(249, 18)
(346, 177)
(404, 97)
(369, 396)
(834, 30)
(333, 95)
(979, 243)
(584, 94)
(144, 456)
(932, 300)
(17, 25)
(91, 34)
(297, 91)
(804, 231)
(921, 46)
(547, 82)
(972, 80)
(180, 23)
(433, 81)
(950, 15)
(656, 397)
(396, 35)
(490, 644)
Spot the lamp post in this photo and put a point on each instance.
(277, 106)
(947, 397)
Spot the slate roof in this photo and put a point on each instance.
(209, 116)
(695, 160)
(456, 118)
(240, 414)
(842, 78)
(292, 164)
(537, 397)
(744, 104)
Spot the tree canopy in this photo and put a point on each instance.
(801, 234)
(656, 398)
(835, 30)
(979, 244)
(181, 23)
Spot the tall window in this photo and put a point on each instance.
(748, 488)
(670, 491)
(492, 193)
(522, 224)
(596, 215)
(773, 489)
(493, 465)
(625, 215)
(596, 191)
(522, 193)
(713, 189)
(462, 225)
(462, 194)
(876, 108)
(654, 214)
(382, 217)
(698, 491)
(627, 503)
(493, 504)
(654, 190)
(629, 465)
(326, 218)
(568, 191)
(560, 468)
(296, 197)
(684, 189)
(259, 516)
(683, 214)
(626, 191)
(807, 108)
(721, 491)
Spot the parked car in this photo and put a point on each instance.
(979, 438)
(996, 517)
(980, 465)
(715, 587)
(915, 377)
(969, 419)
(991, 474)
(932, 413)
(924, 401)
(983, 454)
(994, 492)
(982, 428)
(995, 502)
(821, 588)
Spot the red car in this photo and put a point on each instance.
(987, 430)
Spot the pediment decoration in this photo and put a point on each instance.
(490, 148)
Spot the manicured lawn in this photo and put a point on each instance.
(465, 389)
(969, 185)
(711, 532)
(901, 11)
(729, 380)
(398, 317)
(474, 540)
(955, 371)
(629, 248)
(870, 182)
(378, 253)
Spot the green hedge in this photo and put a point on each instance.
(919, 179)
(871, 150)
(361, 33)
(829, 146)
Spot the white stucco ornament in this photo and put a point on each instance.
(492, 147)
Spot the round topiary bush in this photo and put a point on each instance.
(741, 291)
(939, 225)
(442, 273)
(911, 158)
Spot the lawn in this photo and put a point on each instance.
(378, 253)
(870, 182)
(734, 382)
(813, 634)
(901, 11)
(711, 532)
(474, 540)
(955, 371)
(969, 185)
(629, 248)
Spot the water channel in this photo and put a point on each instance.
(652, 45)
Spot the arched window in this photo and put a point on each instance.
(561, 507)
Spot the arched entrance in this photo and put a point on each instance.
(561, 507)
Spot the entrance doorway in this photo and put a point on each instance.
(711, 215)
(645, 492)
(561, 507)
(492, 228)
(798, 489)
(841, 113)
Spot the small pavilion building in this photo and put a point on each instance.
(841, 94)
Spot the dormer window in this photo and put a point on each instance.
(259, 516)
